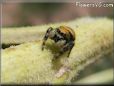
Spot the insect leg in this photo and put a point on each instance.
(71, 45)
(63, 49)
(46, 37)
(66, 47)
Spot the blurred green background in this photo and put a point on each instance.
(30, 14)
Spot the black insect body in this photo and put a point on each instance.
(62, 34)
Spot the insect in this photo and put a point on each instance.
(63, 34)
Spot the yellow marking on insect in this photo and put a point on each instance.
(66, 30)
